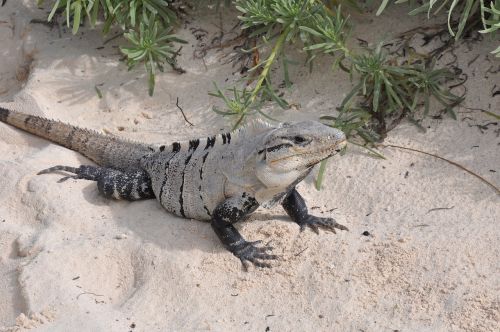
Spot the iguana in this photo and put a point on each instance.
(221, 178)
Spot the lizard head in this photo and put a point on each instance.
(288, 152)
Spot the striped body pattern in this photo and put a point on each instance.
(189, 178)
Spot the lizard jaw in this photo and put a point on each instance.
(340, 145)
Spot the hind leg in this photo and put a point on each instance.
(131, 186)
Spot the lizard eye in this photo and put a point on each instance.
(299, 139)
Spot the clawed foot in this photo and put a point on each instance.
(82, 172)
(61, 169)
(315, 223)
(248, 252)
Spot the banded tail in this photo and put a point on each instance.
(104, 150)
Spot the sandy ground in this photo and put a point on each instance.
(71, 260)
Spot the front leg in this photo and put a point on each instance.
(296, 208)
(227, 213)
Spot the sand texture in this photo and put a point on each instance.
(71, 260)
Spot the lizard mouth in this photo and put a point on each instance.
(339, 146)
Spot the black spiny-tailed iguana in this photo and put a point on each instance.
(220, 179)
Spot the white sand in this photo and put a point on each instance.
(71, 260)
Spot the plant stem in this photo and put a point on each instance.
(269, 61)
(321, 174)
(497, 190)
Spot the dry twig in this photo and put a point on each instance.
(497, 190)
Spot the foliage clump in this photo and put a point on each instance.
(275, 24)
(469, 13)
(147, 25)
(389, 92)
(387, 89)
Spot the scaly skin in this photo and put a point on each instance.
(220, 179)
(104, 150)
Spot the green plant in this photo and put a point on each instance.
(491, 19)
(152, 45)
(464, 9)
(285, 22)
(388, 91)
(392, 90)
(147, 24)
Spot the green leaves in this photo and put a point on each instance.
(325, 33)
(461, 9)
(76, 6)
(75, 11)
(382, 7)
(150, 44)
(464, 16)
(491, 19)
(388, 90)
(240, 105)
(147, 22)
(255, 13)
(280, 23)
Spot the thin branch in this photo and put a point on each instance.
(184, 115)
(300, 252)
(448, 161)
(484, 111)
(113, 38)
(87, 293)
(442, 208)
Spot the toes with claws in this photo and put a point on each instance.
(296, 208)
(315, 223)
(249, 252)
(82, 172)
(224, 216)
